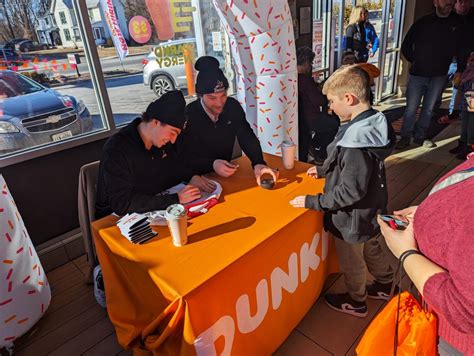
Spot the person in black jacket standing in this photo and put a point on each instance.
(214, 121)
(139, 162)
(430, 46)
(356, 36)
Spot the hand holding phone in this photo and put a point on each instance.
(396, 222)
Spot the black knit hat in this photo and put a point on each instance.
(168, 109)
(210, 78)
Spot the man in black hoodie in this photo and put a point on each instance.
(355, 190)
(430, 46)
(139, 162)
(214, 122)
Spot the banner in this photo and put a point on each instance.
(111, 20)
(318, 43)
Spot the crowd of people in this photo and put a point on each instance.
(348, 141)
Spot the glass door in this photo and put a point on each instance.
(390, 43)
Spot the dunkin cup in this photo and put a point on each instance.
(177, 223)
(288, 154)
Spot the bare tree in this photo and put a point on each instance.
(6, 15)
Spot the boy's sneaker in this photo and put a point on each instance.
(99, 290)
(345, 304)
(379, 290)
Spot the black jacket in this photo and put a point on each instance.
(431, 44)
(203, 141)
(130, 176)
(355, 190)
(356, 40)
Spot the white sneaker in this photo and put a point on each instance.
(99, 290)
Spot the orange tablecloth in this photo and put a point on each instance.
(253, 267)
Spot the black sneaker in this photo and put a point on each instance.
(403, 143)
(379, 290)
(345, 304)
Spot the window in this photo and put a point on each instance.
(77, 35)
(73, 17)
(99, 33)
(46, 21)
(71, 114)
(67, 34)
(62, 16)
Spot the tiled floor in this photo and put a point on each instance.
(75, 325)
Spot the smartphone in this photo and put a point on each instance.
(394, 222)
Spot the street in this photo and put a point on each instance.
(128, 97)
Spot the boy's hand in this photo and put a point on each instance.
(298, 202)
(312, 172)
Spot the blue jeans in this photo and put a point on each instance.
(419, 88)
(452, 70)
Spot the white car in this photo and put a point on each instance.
(163, 68)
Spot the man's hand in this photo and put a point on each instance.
(261, 169)
(223, 168)
(188, 194)
(203, 184)
(298, 202)
(371, 54)
(312, 172)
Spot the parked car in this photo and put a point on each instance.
(28, 46)
(163, 68)
(11, 44)
(32, 114)
(9, 58)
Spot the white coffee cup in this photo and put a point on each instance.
(288, 154)
(177, 221)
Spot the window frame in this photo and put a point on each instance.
(67, 34)
(62, 18)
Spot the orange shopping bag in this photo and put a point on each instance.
(416, 329)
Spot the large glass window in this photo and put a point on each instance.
(46, 96)
(50, 93)
(163, 40)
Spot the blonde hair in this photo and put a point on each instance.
(349, 79)
(355, 14)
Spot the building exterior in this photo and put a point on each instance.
(65, 17)
(47, 30)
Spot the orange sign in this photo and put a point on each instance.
(139, 29)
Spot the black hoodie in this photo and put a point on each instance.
(355, 190)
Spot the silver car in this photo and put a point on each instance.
(164, 67)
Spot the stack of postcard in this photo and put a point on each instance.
(136, 228)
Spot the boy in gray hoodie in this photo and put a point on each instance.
(355, 190)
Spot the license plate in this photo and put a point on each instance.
(61, 136)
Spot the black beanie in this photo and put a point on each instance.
(210, 78)
(168, 109)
